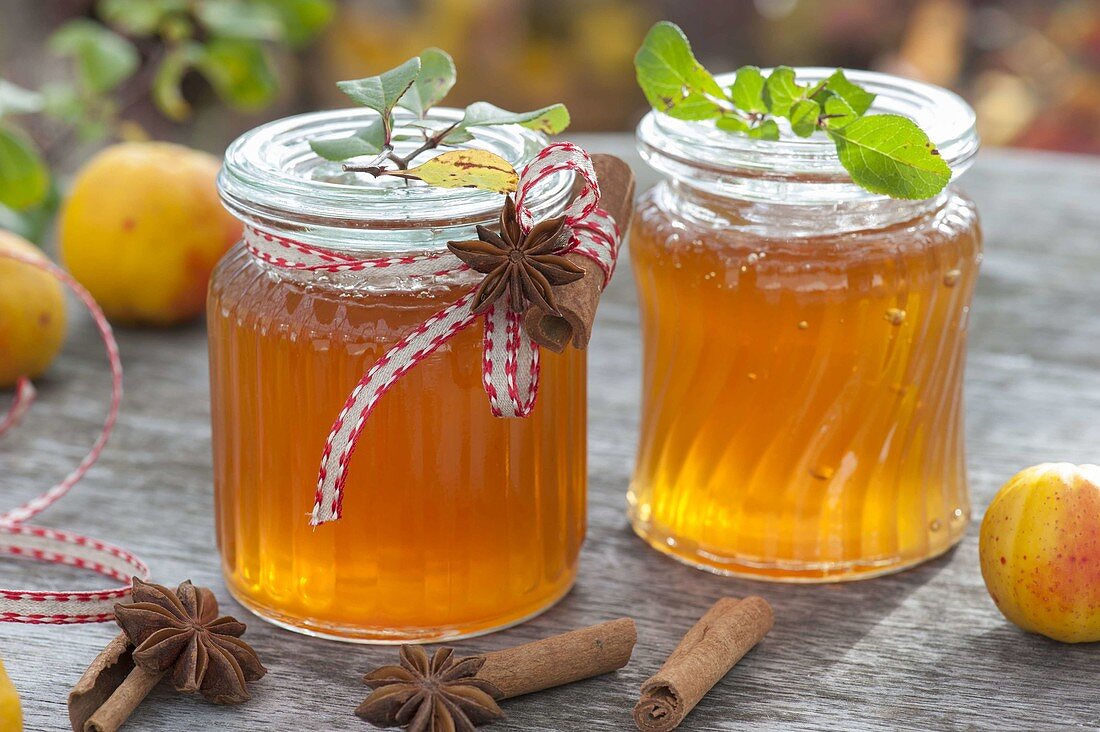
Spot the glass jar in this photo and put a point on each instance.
(804, 346)
(455, 522)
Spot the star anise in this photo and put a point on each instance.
(436, 694)
(180, 633)
(524, 267)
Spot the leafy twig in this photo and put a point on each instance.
(433, 141)
(884, 153)
(417, 86)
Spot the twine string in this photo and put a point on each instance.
(18, 539)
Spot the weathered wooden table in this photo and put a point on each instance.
(922, 649)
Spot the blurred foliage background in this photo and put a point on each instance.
(210, 69)
(1030, 67)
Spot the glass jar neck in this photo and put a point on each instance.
(778, 217)
(798, 184)
(273, 181)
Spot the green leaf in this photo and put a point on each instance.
(32, 223)
(766, 130)
(731, 123)
(104, 59)
(240, 19)
(177, 28)
(457, 136)
(367, 141)
(436, 77)
(781, 91)
(17, 100)
(747, 91)
(140, 18)
(382, 92)
(837, 112)
(856, 97)
(24, 177)
(465, 169)
(63, 102)
(94, 128)
(166, 82)
(239, 71)
(549, 120)
(302, 20)
(890, 154)
(804, 117)
(670, 77)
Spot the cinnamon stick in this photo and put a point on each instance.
(121, 704)
(109, 690)
(577, 301)
(562, 659)
(728, 630)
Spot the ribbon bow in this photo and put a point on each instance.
(510, 361)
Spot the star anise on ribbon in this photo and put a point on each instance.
(181, 634)
(430, 694)
(523, 267)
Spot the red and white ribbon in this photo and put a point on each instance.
(37, 543)
(510, 362)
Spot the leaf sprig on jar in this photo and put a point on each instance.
(417, 86)
(883, 153)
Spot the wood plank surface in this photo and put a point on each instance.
(924, 649)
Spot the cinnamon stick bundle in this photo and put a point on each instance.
(728, 630)
(561, 659)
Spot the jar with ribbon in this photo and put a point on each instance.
(398, 384)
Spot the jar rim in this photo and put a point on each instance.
(698, 151)
(272, 176)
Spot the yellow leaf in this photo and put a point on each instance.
(465, 169)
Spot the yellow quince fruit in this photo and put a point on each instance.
(143, 227)
(32, 313)
(1040, 551)
(11, 714)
